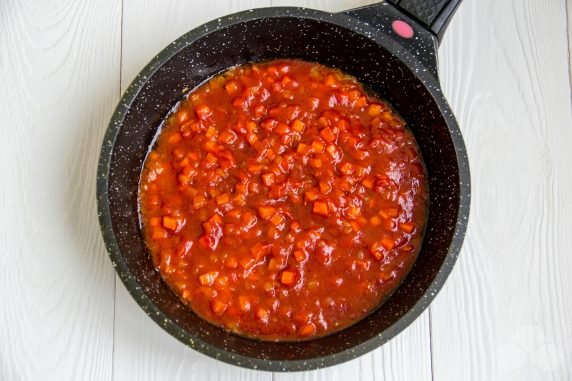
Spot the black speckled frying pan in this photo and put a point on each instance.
(389, 47)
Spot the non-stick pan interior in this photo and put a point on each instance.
(266, 39)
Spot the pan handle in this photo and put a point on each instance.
(434, 15)
(415, 25)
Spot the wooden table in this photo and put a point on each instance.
(504, 314)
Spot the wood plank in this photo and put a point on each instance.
(58, 88)
(143, 351)
(149, 26)
(406, 357)
(569, 27)
(506, 312)
(324, 5)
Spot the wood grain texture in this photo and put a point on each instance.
(406, 357)
(150, 25)
(59, 84)
(569, 27)
(506, 313)
(323, 5)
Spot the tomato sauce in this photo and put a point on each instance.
(281, 201)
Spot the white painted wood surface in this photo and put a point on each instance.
(506, 311)
(59, 82)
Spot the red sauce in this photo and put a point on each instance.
(281, 201)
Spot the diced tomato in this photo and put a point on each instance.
(231, 87)
(367, 182)
(334, 152)
(311, 195)
(375, 221)
(258, 110)
(228, 137)
(288, 277)
(374, 109)
(243, 303)
(330, 80)
(282, 201)
(282, 129)
(203, 111)
(303, 148)
(231, 263)
(269, 179)
(222, 199)
(318, 146)
(247, 263)
(389, 212)
(266, 211)
(251, 138)
(320, 208)
(297, 125)
(328, 135)
(170, 223)
(407, 227)
(208, 279)
(218, 307)
(159, 233)
(307, 330)
(377, 250)
(262, 314)
(325, 187)
(260, 250)
(300, 255)
(274, 264)
(347, 168)
(316, 163)
(277, 220)
(387, 243)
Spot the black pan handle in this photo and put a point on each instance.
(434, 15)
(414, 25)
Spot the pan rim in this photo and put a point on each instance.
(135, 289)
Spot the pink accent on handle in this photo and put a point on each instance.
(402, 29)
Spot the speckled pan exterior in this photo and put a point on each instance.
(359, 42)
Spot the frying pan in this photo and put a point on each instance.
(374, 44)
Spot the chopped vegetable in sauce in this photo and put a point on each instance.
(281, 201)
